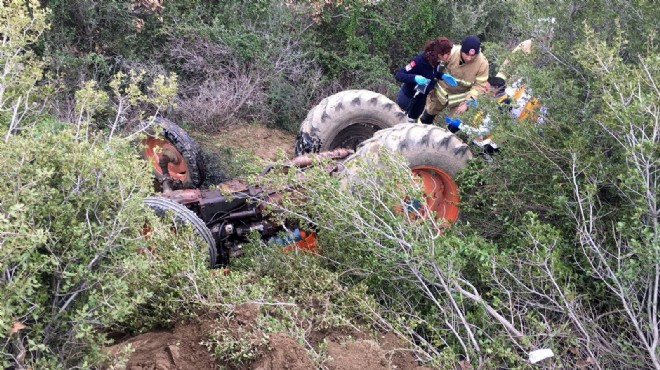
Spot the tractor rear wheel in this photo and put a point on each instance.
(186, 165)
(182, 216)
(345, 119)
(434, 154)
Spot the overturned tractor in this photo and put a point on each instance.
(343, 126)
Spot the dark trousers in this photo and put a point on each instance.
(412, 106)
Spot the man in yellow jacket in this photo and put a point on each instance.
(470, 69)
(516, 99)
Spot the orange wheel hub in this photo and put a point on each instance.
(441, 192)
(155, 148)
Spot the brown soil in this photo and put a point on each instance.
(285, 353)
(363, 354)
(177, 349)
(345, 348)
(388, 353)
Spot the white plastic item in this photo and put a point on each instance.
(540, 354)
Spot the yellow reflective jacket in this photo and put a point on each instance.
(470, 77)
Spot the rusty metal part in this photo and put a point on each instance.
(307, 160)
(166, 179)
(185, 197)
(166, 159)
(441, 191)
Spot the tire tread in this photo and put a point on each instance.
(325, 121)
(184, 215)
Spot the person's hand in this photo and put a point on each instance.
(449, 79)
(461, 108)
(421, 80)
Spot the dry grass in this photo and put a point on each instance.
(263, 141)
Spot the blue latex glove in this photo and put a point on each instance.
(472, 103)
(421, 80)
(453, 122)
(449, 79)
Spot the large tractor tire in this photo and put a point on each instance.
(184, 216)
(434, 154)
(345, 119)
(186, 168)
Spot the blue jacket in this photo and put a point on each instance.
(417, 66)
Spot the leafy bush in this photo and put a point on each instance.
(22, 24)
(368, 237)
(360, 43)
(72, 215)
(76, 263)
(71, 220)
(565, 203)
(248, 73)
(265, 61)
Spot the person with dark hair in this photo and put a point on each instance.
(419, 76)
(469, 67)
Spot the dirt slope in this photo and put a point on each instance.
(183, 348)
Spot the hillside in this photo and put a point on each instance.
(184, 347)
(517, 228)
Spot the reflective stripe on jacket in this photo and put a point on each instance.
(470, 77)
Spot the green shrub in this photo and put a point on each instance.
(564, 202)
(263, 61)
(22, 23)
(71, 218)
(395, 257)
(75, 259)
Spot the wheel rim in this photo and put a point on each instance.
(155, 149)
(353, 135)
(441, 192)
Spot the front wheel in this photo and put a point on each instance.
(434, 154)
